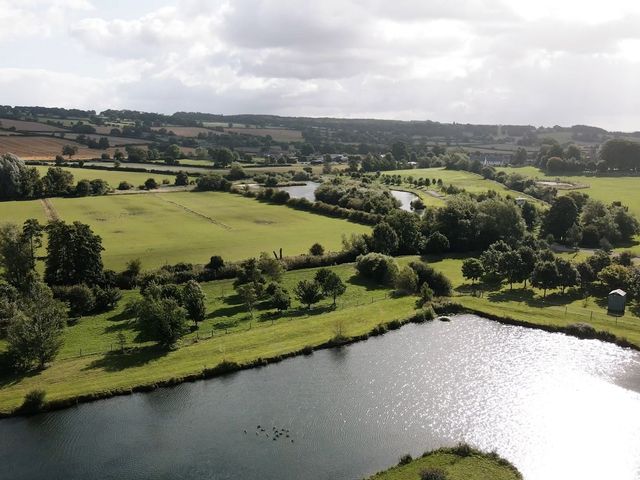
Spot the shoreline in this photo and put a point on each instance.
(226, 367)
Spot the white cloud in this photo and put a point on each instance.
(497, 61)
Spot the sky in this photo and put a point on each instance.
(542, 62)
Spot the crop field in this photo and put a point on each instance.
(605, 189)
(45, 148)
(187, 131)
(191, 227)
(278, 134)
(28, 126)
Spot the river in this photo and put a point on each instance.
(558, 407)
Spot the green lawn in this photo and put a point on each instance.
(473, 467)
(361, 308)
(189, 226)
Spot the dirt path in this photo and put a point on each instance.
(201, 215)
(49, 210)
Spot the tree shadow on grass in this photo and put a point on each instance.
(118, 361)
(9, 376)
(120, 316)
(119, 327)
(369, 285)
(227, 311)
(529, 297)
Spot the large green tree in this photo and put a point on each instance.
(560, 217)
(34, 335)
(74, 254)
(193, 299)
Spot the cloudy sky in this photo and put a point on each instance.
(540, 62)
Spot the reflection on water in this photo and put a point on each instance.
(558, 407)
(405, 199)
(302, 191)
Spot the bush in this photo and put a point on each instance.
(425, 314)
(106, 298)
(405, 459)
(33, 401)
(80, 298)
(316, 250)
(213, 183)
(150, 184)
(437, 281)
(433, 474)
(407, 281)
(377, 267)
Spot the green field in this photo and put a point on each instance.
(189, 226)
(476, 466)
(112, 177)
(471, 182)
(606, 189)
(363, 306)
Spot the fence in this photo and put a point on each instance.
(257, 321)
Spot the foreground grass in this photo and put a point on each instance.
(363, 307)
(476, 466)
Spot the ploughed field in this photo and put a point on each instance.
(187, 226)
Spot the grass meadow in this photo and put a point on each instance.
(607, 189)
(228, 334)
(188, 226)
(471, 182)
(456, 467)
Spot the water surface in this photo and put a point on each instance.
(405, 199)
(558, 407)
(302, 191)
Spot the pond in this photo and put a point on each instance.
(405, 199)
(302, 191)
(558, 407)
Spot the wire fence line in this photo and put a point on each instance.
(569, 311)
(256, 322)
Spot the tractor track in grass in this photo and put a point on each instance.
(201, 215)
(49, 210)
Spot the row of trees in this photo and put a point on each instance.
(17, 181)
(575, 219)
(532, 261)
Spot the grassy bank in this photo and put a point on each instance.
(227, 336)
(527, 305)
(458, 463)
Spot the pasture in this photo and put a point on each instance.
(362, 308)
(278, 134)
(471, 182)
(113, 177)
(186, 131)
(607, 189)
(191, 227)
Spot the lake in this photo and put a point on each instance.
(302, 191)
(307, 191)
(558, 407)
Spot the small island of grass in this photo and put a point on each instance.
(458, 463)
